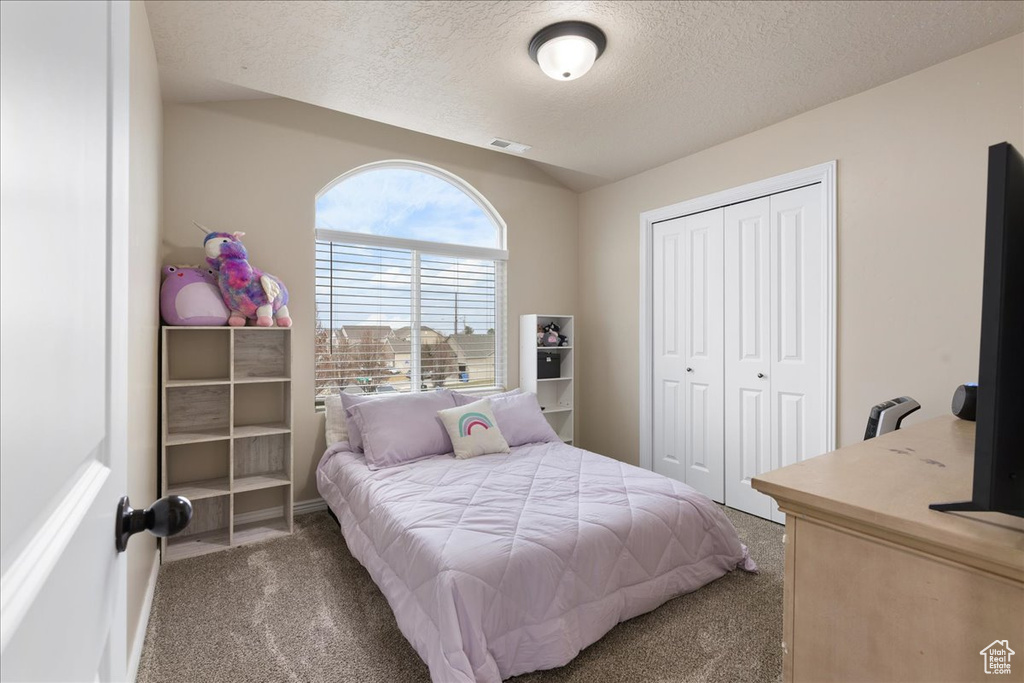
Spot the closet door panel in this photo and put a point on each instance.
(747, 345)
(703, 351)
(797, 317)
(669, 362)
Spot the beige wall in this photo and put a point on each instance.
(145, 141)
(911, 202)
(256, 166)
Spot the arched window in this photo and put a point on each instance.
(410, 283)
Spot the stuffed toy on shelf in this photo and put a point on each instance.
(250, 294)
(189, 295)
(549, 335)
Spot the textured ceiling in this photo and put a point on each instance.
(677, 77)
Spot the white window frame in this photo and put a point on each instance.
(418, 247)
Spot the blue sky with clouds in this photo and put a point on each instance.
(404, 203)
(413, 205)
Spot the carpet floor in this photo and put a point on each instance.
(301, 608)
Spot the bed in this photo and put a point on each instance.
(508, 563)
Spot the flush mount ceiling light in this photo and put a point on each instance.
(566, 50)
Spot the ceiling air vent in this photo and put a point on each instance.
(509, 146)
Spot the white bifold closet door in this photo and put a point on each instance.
(774, 346)
(739, 355)
(688, 351)
(748, 357)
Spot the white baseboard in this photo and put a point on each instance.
(300, 507)
(140, 631)
(304, 507)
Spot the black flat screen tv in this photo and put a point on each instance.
(999, 438)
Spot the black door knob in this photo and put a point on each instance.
(760, 375)
(689, 369)
(165, 517)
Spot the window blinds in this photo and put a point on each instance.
(405, 320)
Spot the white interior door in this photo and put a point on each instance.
(688, 371)
(798, 315)
(703, 310)
(669, 355)
(64, 251)
(748, 359)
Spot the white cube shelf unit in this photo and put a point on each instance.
(555, 394)
(226, 435)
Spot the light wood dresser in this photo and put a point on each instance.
(880, 588)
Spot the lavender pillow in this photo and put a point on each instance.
(462, 399)
(521, 420)
(403, 429)
(355, 439)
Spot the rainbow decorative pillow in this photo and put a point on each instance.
(473, 429)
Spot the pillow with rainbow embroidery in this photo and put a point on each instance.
(473, 429)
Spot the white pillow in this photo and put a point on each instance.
(337, 429)
(473, 429)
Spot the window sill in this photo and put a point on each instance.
(319, 407)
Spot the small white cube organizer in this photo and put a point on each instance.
(226, 437)
(554, 395)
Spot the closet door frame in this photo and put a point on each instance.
(825, 175)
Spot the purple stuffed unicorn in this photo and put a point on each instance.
(248, 292)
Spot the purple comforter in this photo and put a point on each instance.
(503, 564)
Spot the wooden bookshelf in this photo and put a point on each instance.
(226, 434)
